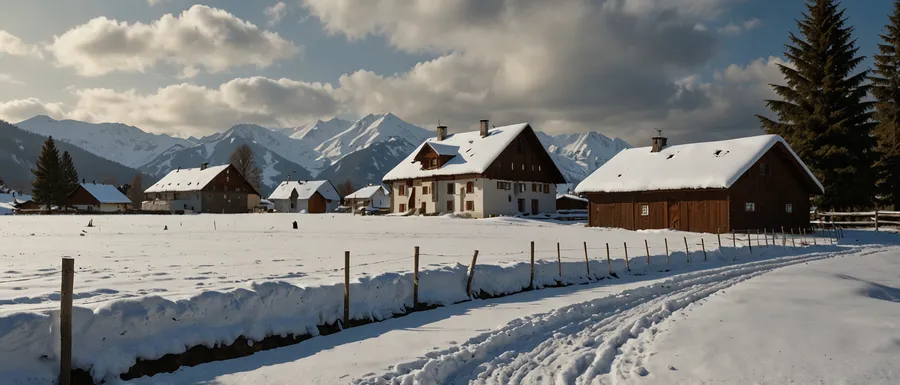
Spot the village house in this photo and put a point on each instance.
(312, 197)
(369, 198)
(492, 171)
(11, 201)
(219, 189)
(571, 202)
(751, 183)
(103, 198)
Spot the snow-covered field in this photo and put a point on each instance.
(142, 291)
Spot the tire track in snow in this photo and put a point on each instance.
(581, 343)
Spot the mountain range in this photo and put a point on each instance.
(361, 151)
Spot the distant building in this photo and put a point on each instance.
(219, 189)
(313, 197)
(571, 202)
(493, 171)
(11, 201)
(101, 198)
(369, 198)
(749, 183)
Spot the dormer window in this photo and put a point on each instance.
(433, 163)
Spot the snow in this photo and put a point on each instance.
(142, 291)
(188, 179)
(687, 166)
(105, 193)
(443, 149)
(366, 192)
(571, 196)
(305, 190)
(474, 154)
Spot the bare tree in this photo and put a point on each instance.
(136, 193)
(345, 188)
(243, 160)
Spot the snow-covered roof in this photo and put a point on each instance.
(188, 179)
(707, 165)
(366, 192)
(13, 200)
(105, 193)
(473, 154)
(573, 197)
(305, 190)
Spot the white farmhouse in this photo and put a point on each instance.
(493, 171)
(369, 198)
(314, 197)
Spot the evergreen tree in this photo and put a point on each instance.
(47, 173)
(886, 90)
(822, 113)
(69, 176)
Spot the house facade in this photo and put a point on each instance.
(752, 183)
(369, 198)
(312, 197)
(490, 172)
(102, 198)
(219, 189)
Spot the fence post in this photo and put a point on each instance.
(647, 247)
(813, 236)
(766, 236)
(783, 237)
(876, 221)
(531, 279)
(558, 259)
(803, 232)
(346, 322)
(587, 262)
(608, 261)
(666, 241)
(792, 238)
(757, 238)
(703, 245)
(719, 237)
(471, 275)
(749, 241)
(65, 321)
(687, 251)
(416, 278)
(733, 240)
(627, 263)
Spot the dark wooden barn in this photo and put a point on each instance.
(752, 183)
(219, 189)
(571, 202)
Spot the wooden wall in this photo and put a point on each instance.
(226, 193)
(570, 204)
(687, 210)
(81, 197)
(526, 149)
(771, 193)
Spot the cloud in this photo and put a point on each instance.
(275, 13)
(9, 79)
(733, 29)
(18, 110)
(13, 46)
(199, 38)
(156, 2)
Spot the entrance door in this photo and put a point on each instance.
(521, 205)
(422, 209)
(534, 206)
(674, 216)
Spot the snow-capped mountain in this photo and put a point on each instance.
(367, 131)
(318, 131)
(120, 143)
(369, 165)
(297, 151)
(578, 155)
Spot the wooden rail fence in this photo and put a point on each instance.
(875, 218)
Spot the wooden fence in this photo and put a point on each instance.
(875, 218)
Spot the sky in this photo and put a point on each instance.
(697, 69)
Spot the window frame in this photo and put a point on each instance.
(470, 205)
(645, 210)
(401, 190)
(789, 208)
(402, 208)
(450, 188)
(765, 169)
(470, 187)
(450, 206)
(425, 190)
(749, 207)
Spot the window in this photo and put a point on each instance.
(532, 167)
(402, 207)
(534, 187)
(433, 163)
(645, 210)
(450, 188)
(546, 189)
(512, 166)
(789, 208)
(539, 167)
(470, 206)
(450, 206)
(764, 169)
(750, 207)
(504, 186)
(402, 191)
(522, 187)
(523, 166)
(470, 187)
(424, 190)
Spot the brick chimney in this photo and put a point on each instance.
(659, 142)
(441, 133)
(484, 127)
(203, 165)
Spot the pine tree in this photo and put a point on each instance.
(822, 113)
(886, 90)
(47, 173)
(69, 176)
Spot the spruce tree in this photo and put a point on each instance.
(47, 173)
(822, 113)
(886, 90)
(69, 177)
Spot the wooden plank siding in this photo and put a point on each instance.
(770, 194)
(525, 160)
(687, 210)
(226, 193)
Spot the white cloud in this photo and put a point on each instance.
(732, 29)
(199, 38)
(275, 13)
(9, 79)
(156, 2)
(14, 46)
(15, 111)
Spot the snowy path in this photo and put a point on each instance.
(575, 335)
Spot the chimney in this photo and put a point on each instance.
(659, 142)
(441, 133)
(82, 181)
(203, 165)
(484, 128)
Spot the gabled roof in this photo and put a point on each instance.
(188, 179)
(572, 197)
(471, 153)
(305, 190)
(367, 192)
(105, 193)
(707, 165)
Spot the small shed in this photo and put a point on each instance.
(102, 198)
(751, 183)
(571, 202)
(313, 197)
(372, 197)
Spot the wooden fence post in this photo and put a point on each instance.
(666, 241)
(587, 262)
(471, 275)
(558, 259)
(65, 321)
(719, 237)
(608, 261)
(703, 245)
(346, 322)
(647, 247)
(783, 237)
(803, 232)
(687, 251)
(766, 236)
(792, 238)
(531, 279)
(813, 236)
(749, 241)
(876, 221)
(757, 238)
(416, 278)
(733, 240)
(627, 263)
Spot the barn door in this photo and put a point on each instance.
(534, 206)
(316, 204)
(674, 216)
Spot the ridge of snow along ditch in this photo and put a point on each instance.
(110, 340)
